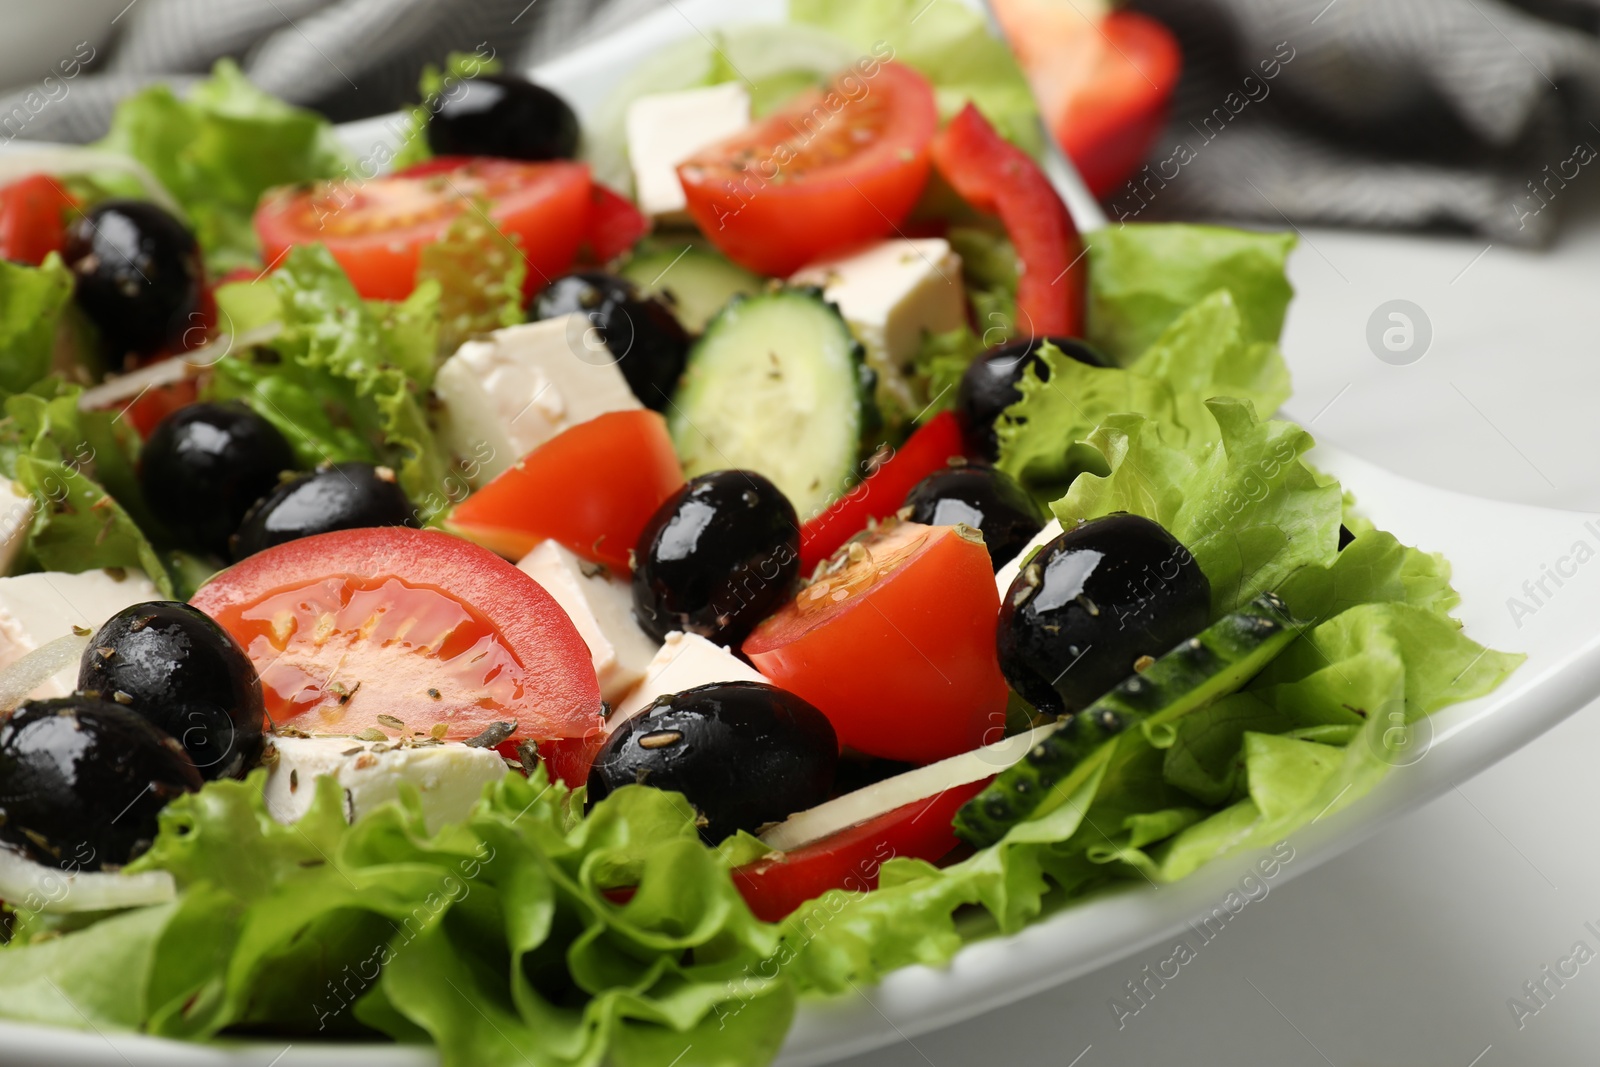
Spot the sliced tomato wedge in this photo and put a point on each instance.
(592, 487)
(995, 176)
(833, 169)
(881, 493)
(851, 859)
(34, 212)
(615, 226)
(147, 409)
(895, 644)
(1104, 84)
(355, 629)
(376, 229)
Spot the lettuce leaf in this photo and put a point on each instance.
(479, 272)
(1143, 276)
(346, 379)
(949, 44)
(217, 150)
(32, 300)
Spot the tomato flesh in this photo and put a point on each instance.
(883, 492)
(896, 646)
(376, 229)
(994, 175)
(33, 218)
(412, 625)
(833, 169)
(592, 487)
(851, 859)
(615, 226)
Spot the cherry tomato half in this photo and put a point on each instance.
(896, 646)
(831, 170)
(591, 487)
(414, 624)
(33, 218)
(376, 229)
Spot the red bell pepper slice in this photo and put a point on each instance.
(995, 176)
(883, 492)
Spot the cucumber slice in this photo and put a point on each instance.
(776, 385)
(1198, 672)
(694, 281)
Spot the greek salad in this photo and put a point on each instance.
(567, 593)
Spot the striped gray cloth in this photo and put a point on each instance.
(1472, 114)
(1464, 114)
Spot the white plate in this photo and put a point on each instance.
(1494, 547)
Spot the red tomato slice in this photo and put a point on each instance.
(994, 175)
(376, 229)
(896, 646)
(1103, 86)
(147, 409)
(883, 492)
(592, 488)
(615, 226)
(777, 886)
(414, 624)
(831, 170)
(33, 218)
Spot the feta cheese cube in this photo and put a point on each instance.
(1008, 573)
(512, 391)
(35, 609)
(600, 605)
(16, 515)
(892, 293)
(449, 777)
(664, 129)
(683, 662)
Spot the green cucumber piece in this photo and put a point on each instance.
(1200, 671)
(695, 282)
(776, 385)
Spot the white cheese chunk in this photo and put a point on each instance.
(449, 777)
(892, 293)
(600, 605)
(664, 129)
(35, 609)
(683, 662)
(510, 392)
(16, 515)
(1008, 573)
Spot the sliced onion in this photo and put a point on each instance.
(37, 668)
(60, 160)
(126, 387)
(26, 884)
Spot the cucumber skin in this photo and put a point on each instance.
(1200, 671)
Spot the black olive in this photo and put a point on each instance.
(82, 781)
(641, 334)
(717, 558)
(205, 465)
(176, 667)
(987, 500)
(1090, 603)
(344, 496)
(507, 116)
(989, 385)
(744, 753)
(138, 272)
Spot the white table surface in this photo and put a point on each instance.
(1405, 950)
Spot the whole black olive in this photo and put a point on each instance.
(344, 496)
(205, 465)
(640, 334)
(716, 558)
(1093, 601)
(173, 665)
(507, 116)
(744, 754)
(138, 273)
(82, 781)
(988, 500)
(989, 385)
